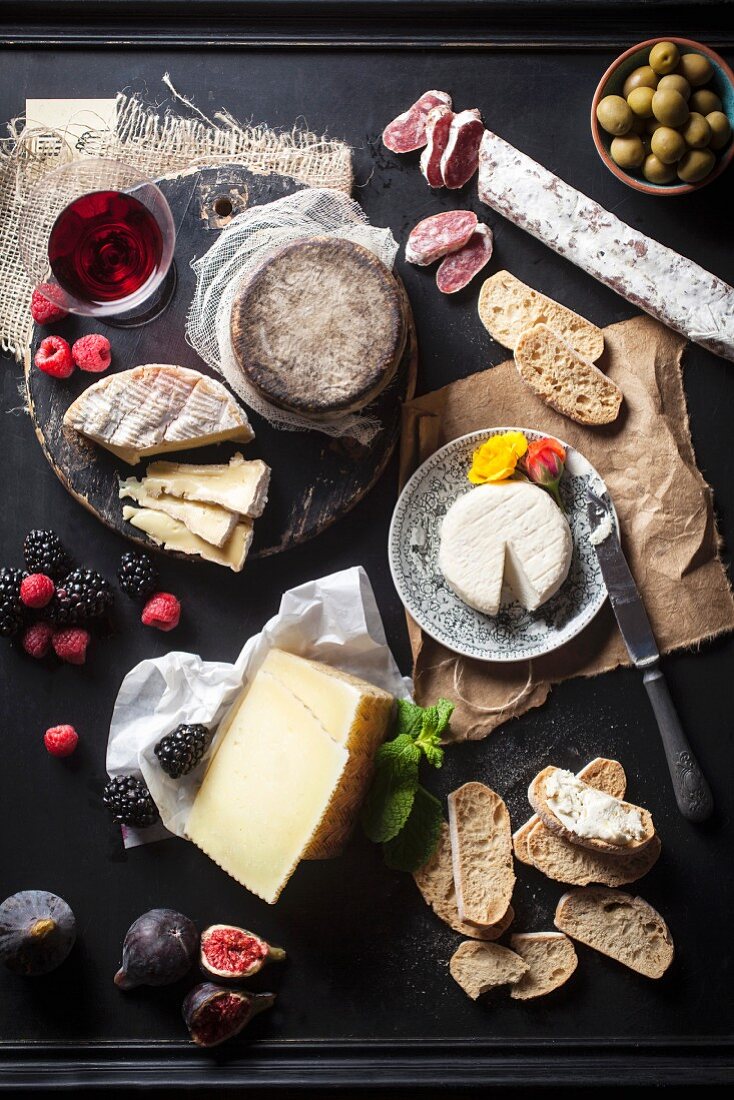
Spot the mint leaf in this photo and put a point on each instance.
(409, 718)
(416, 842)
(401, 755)
(390, 798)
(444, 708)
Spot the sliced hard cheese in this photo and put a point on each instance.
(157, 408)
(294, 756)
(511, 532)
(240, 486)
(174, 535)
(208, 521)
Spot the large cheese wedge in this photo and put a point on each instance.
(293, 760)
(209, 521)
(174, 535)
(239, 486)
(511, 532)
(157, 408)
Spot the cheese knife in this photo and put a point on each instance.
(692, 792)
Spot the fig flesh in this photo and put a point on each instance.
(213, 1014)
(37, 932)
(231, 953)
(159, 948)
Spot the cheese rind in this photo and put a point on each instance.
(208, 521)
(174, 535)
(510, 531)
(239, 485)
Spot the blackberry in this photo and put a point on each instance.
(179, 752)
(82, 595)
(137, 574)
(129, 801)
(44, 553)
(11, 609)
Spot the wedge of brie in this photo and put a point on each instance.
(238, 485)
(208, 521)
(512, 533)
(174, 535)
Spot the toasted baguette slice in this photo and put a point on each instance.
(508, 307)
(566, 862)
(624, 928)
(481, 852)
(436, 883)
(551, 959)
(604, 775)
(565, 380)
(538, 800)
(479, 967)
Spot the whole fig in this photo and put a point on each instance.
(213, 1014)
(232, 953)
(37, 932)
(159, 948)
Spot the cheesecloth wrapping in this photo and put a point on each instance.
(246, 242)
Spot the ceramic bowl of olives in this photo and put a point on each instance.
(663, 114)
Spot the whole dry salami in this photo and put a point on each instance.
(407, 132)
(650, 275)
(438, 235)
(437, 133)
(457, 270)
(461, 156)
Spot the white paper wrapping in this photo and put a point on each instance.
(334, 619)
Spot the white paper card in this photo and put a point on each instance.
(72, 117)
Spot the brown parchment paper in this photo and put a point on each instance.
(665, 511)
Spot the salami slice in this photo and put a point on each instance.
(408, 131)
(437, 130)
(457, 270)
(461, 156)
(652, 276)
(439, 235)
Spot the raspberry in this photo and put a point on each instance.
(54, 357)
(92, 353)
(61, 740)
(36, 590)
(162, 611)
(44, 308)
(71, 645)
(37, 639)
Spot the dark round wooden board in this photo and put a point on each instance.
(315, 479)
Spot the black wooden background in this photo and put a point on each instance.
(368, 962)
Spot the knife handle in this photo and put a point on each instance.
(692, 792)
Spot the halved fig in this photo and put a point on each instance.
(233, 954)
(213, 1014)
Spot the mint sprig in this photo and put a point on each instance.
(398, 812)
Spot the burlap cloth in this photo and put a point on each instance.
(665, 510)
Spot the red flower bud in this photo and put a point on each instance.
(543, 464)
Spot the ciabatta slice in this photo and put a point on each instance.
(577, 866)
(624, 928)
(565, 380)
(479, 967)
(481, 852)
(551, 960)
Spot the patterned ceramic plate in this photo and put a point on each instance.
(514, 634)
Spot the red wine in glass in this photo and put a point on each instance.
(105, 246)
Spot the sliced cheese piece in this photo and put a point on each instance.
(510, 532)
(174, 535)
(354, 714)
(208, 521)
(156, 408)
(239, 485)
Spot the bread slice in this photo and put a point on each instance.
(481, 852)
(551, 959)
(436, 883)
(566, 862)
(624, 928)
(479, 967)
(539, 802)
(565, 380)
(508, 307)
(604, 775)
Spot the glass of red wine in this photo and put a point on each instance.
(98, 237)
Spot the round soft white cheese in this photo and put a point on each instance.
(512, 532)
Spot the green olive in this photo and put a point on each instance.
(614, 114)
(642, 77)
(695, 165)
(667, 145)
(677, 83)
(656, 171)
(704, 101)
(669, 107)
(720, 129)
(664, 57)
(627, 151)
(640, 100)
(696, 133)
(696, 68)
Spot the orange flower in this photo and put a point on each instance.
(496, 459)
(544, 464)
